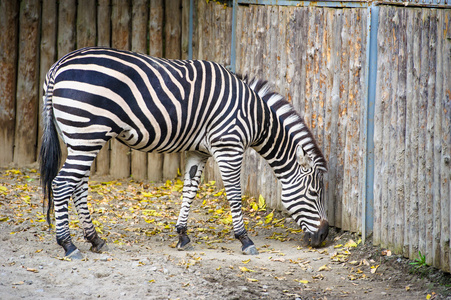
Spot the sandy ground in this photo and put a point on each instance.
(137, 220)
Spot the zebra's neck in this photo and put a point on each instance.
(284, 132)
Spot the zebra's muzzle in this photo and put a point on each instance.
(315, 239)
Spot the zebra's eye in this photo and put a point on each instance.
(313, 193)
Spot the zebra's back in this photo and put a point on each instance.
(150, 104)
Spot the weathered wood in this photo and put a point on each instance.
(9, 28)
(431, 201)
(185, 29)
(139, 44)
(444, 32)
(66, 27)
(86, 23)
(401, 100)
(121, 35)
(27, 106)
(47, 51)
(422, 124)
(102, 162)
(409, 134)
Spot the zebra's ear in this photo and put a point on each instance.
(303, 158)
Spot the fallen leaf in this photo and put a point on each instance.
(32, 270)
(246, 261)
(252, 279)
(244, 269)
(324, 268)
(374, 269)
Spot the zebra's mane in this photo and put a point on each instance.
(290, 116)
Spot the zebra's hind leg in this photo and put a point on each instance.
(71, 181)
(80, 200)
(195, 163)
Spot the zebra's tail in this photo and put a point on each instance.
(50, 153)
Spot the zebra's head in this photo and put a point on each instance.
(302, 196)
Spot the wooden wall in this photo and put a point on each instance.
(36, 33)
(412, 133)
(315, 57)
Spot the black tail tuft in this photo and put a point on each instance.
(50, 159)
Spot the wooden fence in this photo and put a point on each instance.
(314, 56)
(36, 33)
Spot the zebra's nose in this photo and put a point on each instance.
(318, 237)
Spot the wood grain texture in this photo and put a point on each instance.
(9, 26)
(25, 140)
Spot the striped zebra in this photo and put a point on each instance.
(151, 104)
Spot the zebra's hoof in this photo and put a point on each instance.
(76, 255)
(251, 250)
(186, 247)
(99, 248)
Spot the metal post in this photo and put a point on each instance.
(370, 98)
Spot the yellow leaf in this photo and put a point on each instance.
(269, 217)
(254, 206)
(374, 269)
(252, 279)
(302, 281)
(244, 269)
(324, 268)
(218, 268)
(261, 203)
(3, 189)
(246, 261)
(32, 270)
(338, 246)
(350, 243)
(152, 280)
(147, 194)
(428, 296)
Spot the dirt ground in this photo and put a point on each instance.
(138, 219)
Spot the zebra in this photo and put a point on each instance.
(150, 104)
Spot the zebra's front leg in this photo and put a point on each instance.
(81, 204)
(195, 163)
(229, 163)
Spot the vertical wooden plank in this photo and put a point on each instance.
(156, 16)
(185, 29)
(47, 51)
(102, 162)
(413, 246)
(334, 202)
(422, 117)
(66, 27)
(139, 44)
(409, 162)
(25, 140)
(120, 17)
(328, 126)
(378, 125)
(438, 261)
(86, 23)
(445, 179)
(430, 168)
(9, 27)
(401, 134)
(389, 130)
(363, 139)
(348, 151)
(172, 38)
